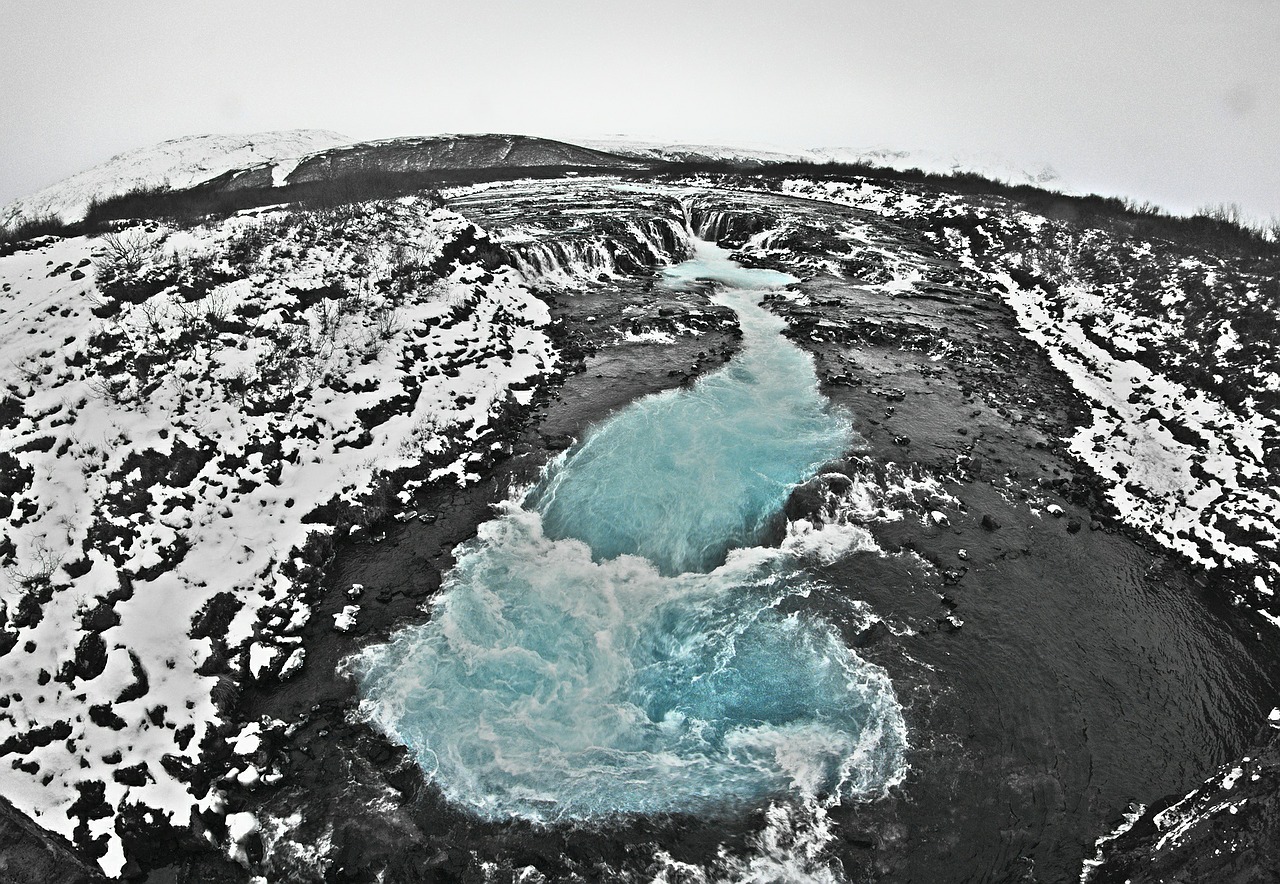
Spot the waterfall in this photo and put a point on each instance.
(632, 246)
(732, 227)
(616, 641)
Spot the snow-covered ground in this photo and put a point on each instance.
(988, 165)
(1173, 347)
(179, 163)
(178, 402)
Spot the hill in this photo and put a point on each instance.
(177, 164)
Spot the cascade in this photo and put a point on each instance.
(634, 246)
(619, 641)
(723, 226)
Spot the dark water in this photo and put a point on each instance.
(1088, 673)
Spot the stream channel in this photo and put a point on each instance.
(619, 641)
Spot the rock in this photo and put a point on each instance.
(1074, 526)
(901, 440)
(810, 500)
(892, 394)
(1054, 510)
(134, 775)
(140, 684)
(990, 524)
(872, 634)
(1227, 829)
(91, 657)
(103, 716)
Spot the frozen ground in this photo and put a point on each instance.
(193, 415)
(1173, 347)
(179, 401)
(179, 163)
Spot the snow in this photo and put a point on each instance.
(989, 165)
(1130, 817)
(1233, 776)
(179, 163)
(1181, 462)
(1176, 821)
(101, 422)
(345, 620)
(651, 336)
(239, 827)
(248, 741)
(1155, 483)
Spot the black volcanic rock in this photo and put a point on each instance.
(450, 152)
(1226, 830)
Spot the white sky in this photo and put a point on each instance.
(1167, 100)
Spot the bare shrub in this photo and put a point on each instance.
(39, 572)
(132, 268)
(39, 225)
(386, 322)
(130, 251)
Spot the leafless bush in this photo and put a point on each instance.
(117, 389)
(29, 370)
(1226, 213)
(386, 322)
(40, 225)
(39, 572)
(132, 268)
(129, 251)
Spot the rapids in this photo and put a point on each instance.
(619, 641)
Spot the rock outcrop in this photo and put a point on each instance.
(449, 152)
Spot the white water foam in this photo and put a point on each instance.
(619, 643)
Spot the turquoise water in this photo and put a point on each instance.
(614, 643)
(684, 476)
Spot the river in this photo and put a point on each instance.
(619, 640)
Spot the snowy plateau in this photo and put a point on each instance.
(166, 460)
(179, 163)
(205, 416)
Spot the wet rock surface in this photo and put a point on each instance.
(29, 855)
(1228, 829)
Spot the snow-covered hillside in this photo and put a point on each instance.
(178, 163)
(190, 416)
(1174, 349)
(988, 165)
(439, 152)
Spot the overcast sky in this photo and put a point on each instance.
(1167, 100)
